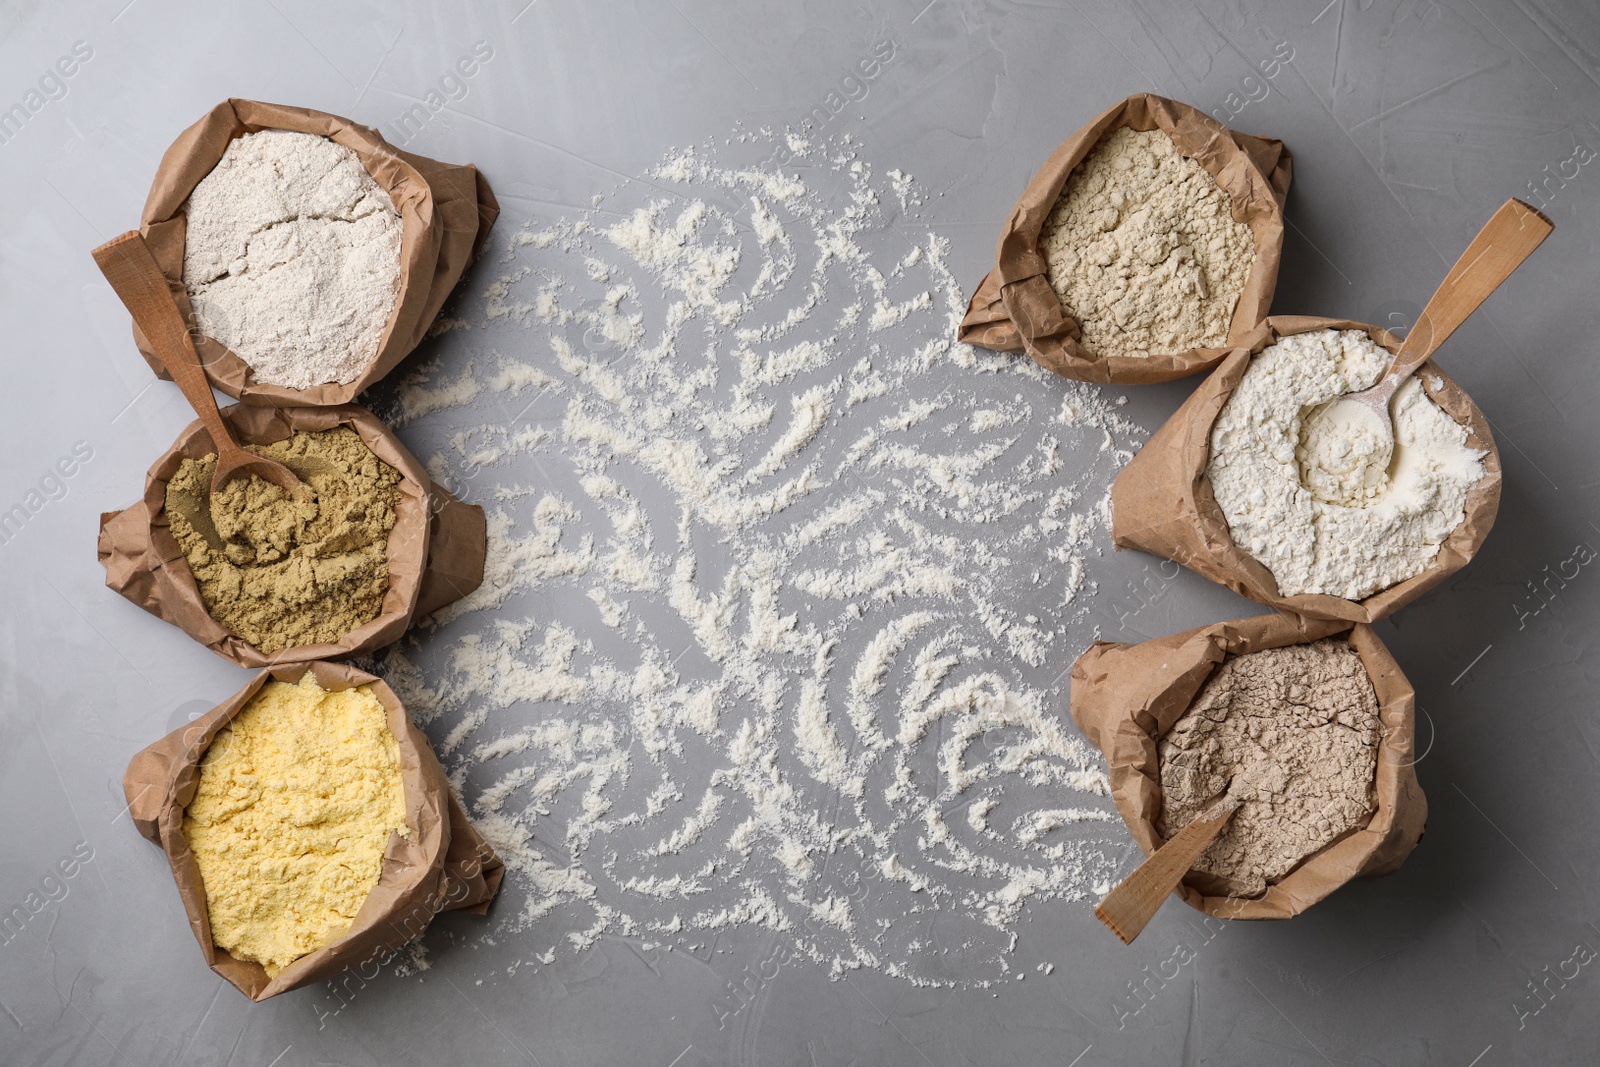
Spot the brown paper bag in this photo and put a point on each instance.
(1016, 310)
(1162, 503)
(446, 212)
(436, 549)
(444, 865)
(1126, 697)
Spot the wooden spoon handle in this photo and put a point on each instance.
(1131, 905)
(1508, 238)
(137, 279)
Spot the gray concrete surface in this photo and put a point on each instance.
(1410, 121)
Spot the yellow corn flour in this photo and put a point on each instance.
(297, 797)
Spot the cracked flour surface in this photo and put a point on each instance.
(782, 581)
(1293, 734)
(292, 257)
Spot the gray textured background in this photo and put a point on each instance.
(1410, 121)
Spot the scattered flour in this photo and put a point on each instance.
(292, 257)
(1143, 249)
(783, 582)
(1311, 546)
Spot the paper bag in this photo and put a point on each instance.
(436, 549)
(1016, 310)
(446, 212)
(1162, 503)
(1126, 697)
(443, 865)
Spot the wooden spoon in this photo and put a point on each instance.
(1128, 907)
(136, 278)
(1507, 239)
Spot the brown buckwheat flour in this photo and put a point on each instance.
(1143, 250)
(281, 569)
(1296, 731)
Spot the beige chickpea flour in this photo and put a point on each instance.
(1143, 249)
(284, 569)
(1293, 734)
(296, 801)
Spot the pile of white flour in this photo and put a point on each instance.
(1143, 250)
(292, 257)
(1315, 547)
(782, 582)
(1344, 453)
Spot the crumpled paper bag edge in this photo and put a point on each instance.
(1015, 309)
(1126, 696)
(424, 873)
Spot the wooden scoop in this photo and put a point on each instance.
(136, 278)
(1508, 238)
(1131, 905)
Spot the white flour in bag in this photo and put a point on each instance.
(781, 579)
(1311, 546)
(292, 257)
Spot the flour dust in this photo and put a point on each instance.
(783, 582)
